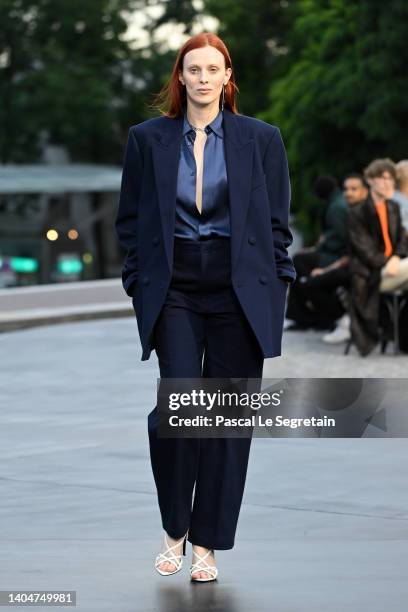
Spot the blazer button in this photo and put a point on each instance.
(263, 280)
(156, 240)
(146, 280)
(251, 240)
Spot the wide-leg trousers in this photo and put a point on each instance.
(202, 331)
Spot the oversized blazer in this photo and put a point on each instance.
(259, 197)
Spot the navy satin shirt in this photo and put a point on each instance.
(214, 220)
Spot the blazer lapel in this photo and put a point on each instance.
(238, 157)
(392, 223)
(166, 154)
(373, 220)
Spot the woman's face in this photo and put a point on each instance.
(204, 75)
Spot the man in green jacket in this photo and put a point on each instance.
(333, 241)
(331, 247)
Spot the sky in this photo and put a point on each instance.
(168, 36)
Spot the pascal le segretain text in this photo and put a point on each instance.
(252, 421)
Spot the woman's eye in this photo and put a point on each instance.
(195, 69)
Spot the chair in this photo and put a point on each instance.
(392, 302)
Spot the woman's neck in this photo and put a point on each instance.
(200, 117)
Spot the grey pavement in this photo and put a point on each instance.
(57, 295)
(323, 525)
(305, 355)
(32, 306)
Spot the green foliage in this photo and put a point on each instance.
(330, 73)
(254, 33)
(176, 12)
(342, 101)
(60, 75)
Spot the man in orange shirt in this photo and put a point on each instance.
(377, 253)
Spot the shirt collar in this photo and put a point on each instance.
(215, 125)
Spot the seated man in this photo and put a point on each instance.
(355, 189)
(330, 248)
(377, 253)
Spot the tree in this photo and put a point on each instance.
(255, 33)
(60, 74)
(343, 100)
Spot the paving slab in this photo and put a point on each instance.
(323, 525)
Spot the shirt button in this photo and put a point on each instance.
(251, 240)
(263, 280)
(146, 280)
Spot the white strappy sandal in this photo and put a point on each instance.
(169, 556)
(202, 566)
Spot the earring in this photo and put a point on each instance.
(223, 98)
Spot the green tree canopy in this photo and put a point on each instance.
(255, 34)
(343, 100)
(61, 71)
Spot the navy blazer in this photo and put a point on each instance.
(259, 198)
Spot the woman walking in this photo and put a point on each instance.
(203, 216)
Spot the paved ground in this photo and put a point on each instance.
(25, 307)
(323, 526)
(305, 355)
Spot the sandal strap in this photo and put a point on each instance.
(161, 558)
(196, 567)
(168, 554)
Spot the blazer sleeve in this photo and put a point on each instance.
(336, 236)
(279, 191)
(127, 213)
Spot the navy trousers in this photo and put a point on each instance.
(202, 332)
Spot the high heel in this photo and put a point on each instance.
(202, 566)
(169, 556)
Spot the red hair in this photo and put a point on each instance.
(171, 99)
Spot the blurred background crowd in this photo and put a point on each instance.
(330, 73)
(354, 280)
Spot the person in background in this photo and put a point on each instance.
(332, 243)
(377, 253)
(325, 255)
(355, 190)
(400, 194)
